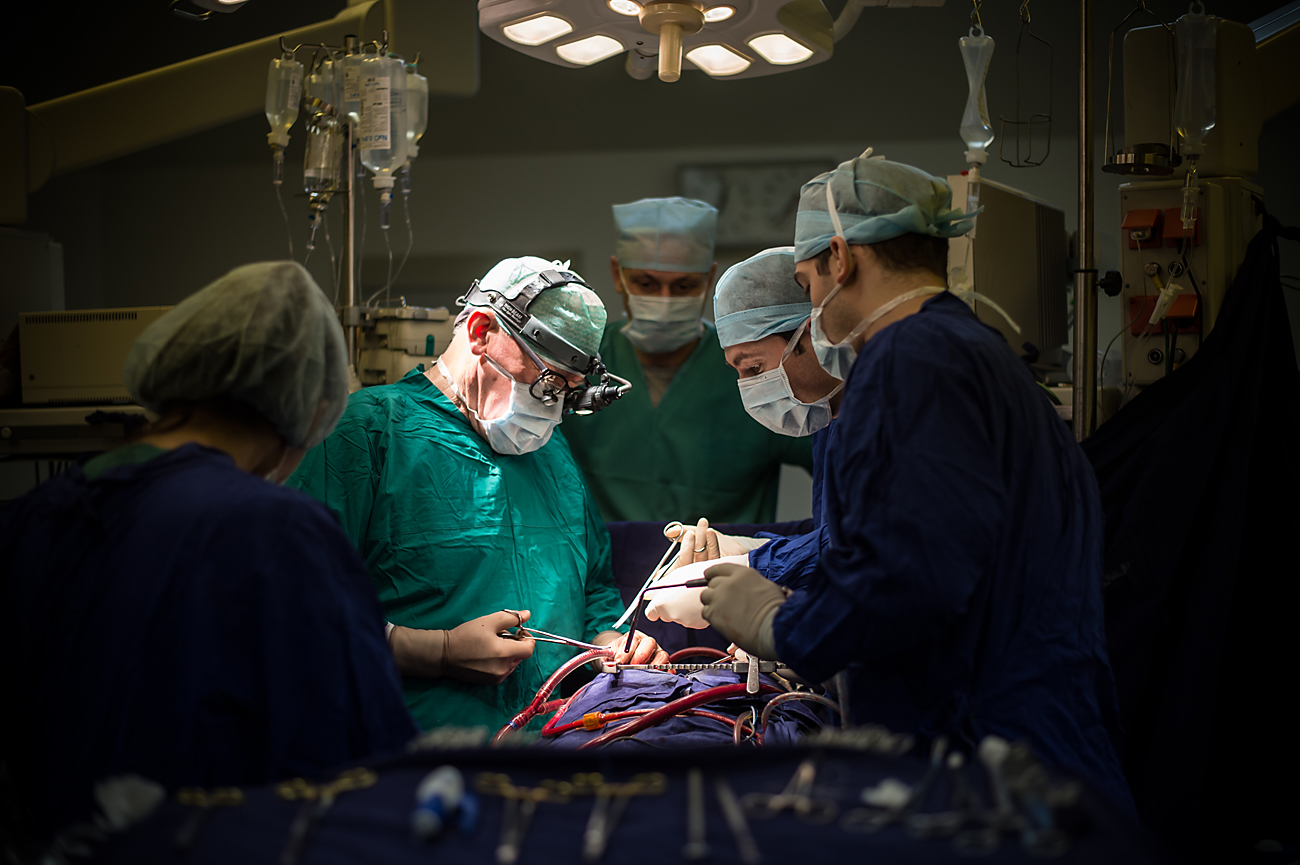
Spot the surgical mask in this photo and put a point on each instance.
(837, 357)
(527, 423)
(662, 324)
(770, 400)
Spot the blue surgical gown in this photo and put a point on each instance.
(961, 585)
(789, 560)
(186, 621)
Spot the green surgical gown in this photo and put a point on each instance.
(697, 454)
(452, 530)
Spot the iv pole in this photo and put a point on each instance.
(1085, 278)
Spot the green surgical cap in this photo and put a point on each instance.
(263, 334)
(759, 297)
(574, 312)
(666, 234)
(875, 200)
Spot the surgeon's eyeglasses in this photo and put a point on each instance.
(551, 387)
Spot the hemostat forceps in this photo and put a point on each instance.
(546, 637)
(797, 797)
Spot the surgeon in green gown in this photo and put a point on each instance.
(459, 490)
(680, 446)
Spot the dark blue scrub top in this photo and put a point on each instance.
(790, 560)
(186, 621)
(961, 583)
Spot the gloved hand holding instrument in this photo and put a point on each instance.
(702, 544)
(472, 652)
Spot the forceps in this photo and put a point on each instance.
(797, 796)
(545, 637)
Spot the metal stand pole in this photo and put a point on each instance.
(1085, 281)
(349, 140)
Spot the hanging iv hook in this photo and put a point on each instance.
(1039, 119)
(976, 23)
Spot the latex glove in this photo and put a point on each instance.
(714, 544)
(471, 652)
(683, 605)
(741, 603)
(645, 649)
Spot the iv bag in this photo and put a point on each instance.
(1197, 36)
(417, 110)
(351, 84)
(976, 133)
(321, 84)
(382, 133)
(322, 169)
(283, 93)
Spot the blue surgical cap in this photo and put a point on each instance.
(667, 234)
(875, 200)
(759, 297)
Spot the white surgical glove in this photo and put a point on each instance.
(701, 543)
(738, 545)
(683, 605)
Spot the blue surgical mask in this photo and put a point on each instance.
(527, 423)
(662, 324)
(770, 400)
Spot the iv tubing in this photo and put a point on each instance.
(697, 651)
(790, 697)
(537, 706)
(604, 718)
(285, 213)
(676, 707)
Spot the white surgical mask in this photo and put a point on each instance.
(527, 423)
(837, 357)
(662, 324)
(770, 400)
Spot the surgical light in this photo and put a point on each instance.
(724, 38)
(779, 49)
(718, 60)
(591, 50)
(536, 31)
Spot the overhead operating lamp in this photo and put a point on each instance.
(722, 38)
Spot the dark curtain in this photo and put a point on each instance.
(1198, 479)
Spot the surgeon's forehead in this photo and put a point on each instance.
(665, 275)
(758, 349)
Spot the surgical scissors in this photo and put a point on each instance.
(797, 797)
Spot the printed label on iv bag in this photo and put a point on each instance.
(375, 128)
